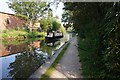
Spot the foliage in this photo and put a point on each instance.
(19, 42)
(34, 34)
(67, 19)
(22, 16)
(46, 24)
(62, 29)
(20, 34)
(14, 34)
(30, 11)
(33, 11)
(98, 28)
(55, 25)
(51, 24)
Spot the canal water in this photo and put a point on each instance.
(20, 58)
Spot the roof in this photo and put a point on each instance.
(7, 13)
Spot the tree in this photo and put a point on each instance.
(46, 24)
(67, 19)
(49, 24)
(98, 24)
(32, 10)
(55, 25)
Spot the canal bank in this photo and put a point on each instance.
(20, 34)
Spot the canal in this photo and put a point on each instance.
(21, 58)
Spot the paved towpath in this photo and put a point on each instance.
(69, 66)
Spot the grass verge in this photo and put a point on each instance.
(48, 73)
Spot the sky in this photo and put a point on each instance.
(56, 12)
(4, 7)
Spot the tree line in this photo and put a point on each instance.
(36, 12)
(98, 28)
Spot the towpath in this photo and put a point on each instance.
(69, 66)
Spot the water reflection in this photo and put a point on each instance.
(25, 64)
(12, 47)
(21, 58)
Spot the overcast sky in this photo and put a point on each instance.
(56, 12)
(4, 6)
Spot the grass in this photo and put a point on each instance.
(48, 73)
(21, 34)
(14, 34)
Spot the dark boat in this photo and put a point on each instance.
(54, 35)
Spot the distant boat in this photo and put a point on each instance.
(54, 34)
